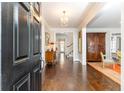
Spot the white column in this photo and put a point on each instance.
(122, 47)
(75, 46)
(108, 46)
(83, 46)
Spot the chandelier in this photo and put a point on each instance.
(64, 19)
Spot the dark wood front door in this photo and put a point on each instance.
(95, 44)
(20, 47)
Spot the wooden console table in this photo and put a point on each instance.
(50, 57)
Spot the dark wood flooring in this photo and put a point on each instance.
(67, 75)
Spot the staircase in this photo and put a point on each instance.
(69, 51)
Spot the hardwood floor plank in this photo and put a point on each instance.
(67, 75)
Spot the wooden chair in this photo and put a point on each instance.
(106, 61)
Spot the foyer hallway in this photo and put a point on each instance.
(67, 75)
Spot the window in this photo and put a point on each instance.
(115, 42)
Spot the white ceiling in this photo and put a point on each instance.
(109, 17)
(52, 11)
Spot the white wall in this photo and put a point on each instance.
(108, 32)
(75, 46)
(0, 46)
(122, 47)
(44, 29)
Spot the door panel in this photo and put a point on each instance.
(101, 44)
(21, 33)
(36, 79)
(36, 37)
(23, 84)
(91, 47)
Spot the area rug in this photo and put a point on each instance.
(107, 71)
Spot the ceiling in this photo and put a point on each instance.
(52, 11)
(109, 17)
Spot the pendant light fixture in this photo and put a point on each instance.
(64, 18)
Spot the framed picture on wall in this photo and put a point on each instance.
(47, 38)
(80, 42)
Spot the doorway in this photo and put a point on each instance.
(62, 46)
